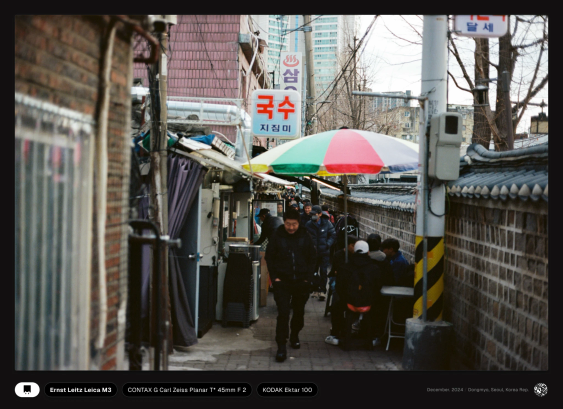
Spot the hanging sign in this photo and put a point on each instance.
(479, 26)
(276, 113)
(291, 67)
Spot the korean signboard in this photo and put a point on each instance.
(291, 68)
(480, 26)
(276, 113)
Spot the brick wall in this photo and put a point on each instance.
(495, 278)
(204, 60)
(58, 59)
(388, 223)
(496, 283)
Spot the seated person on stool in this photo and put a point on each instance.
(381, 304)
(355, 286)
(403, 276)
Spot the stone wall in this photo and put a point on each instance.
(495, 277)
(388, 223)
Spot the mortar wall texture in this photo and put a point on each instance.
(495, 277)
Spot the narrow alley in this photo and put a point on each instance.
(234, 348)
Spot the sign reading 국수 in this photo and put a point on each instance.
(276, 113)
(481, 26)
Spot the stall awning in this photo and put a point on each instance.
(276, 180)
(211, 157)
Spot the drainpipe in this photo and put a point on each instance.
(102, 170)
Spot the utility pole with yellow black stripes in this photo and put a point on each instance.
(427, 337)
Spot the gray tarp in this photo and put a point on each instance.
(184, 179)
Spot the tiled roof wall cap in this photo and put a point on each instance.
(477, 152)
(503, 182)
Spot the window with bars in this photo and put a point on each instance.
(53, 199)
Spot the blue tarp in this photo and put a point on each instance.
(207, 139)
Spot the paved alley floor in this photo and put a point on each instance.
(254, 348)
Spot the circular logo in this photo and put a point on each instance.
(540, 389)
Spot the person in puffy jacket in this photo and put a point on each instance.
(356, 283)
(291, 259)
(327, 212)
(269, 225)
(323, 234)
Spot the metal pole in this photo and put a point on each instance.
(345, 182)
(430, 225)
(311, 91)
(424, 189)
(508, 109)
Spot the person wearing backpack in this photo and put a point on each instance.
(291, 259)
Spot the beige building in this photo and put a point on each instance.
(406, 120)
(466, 112)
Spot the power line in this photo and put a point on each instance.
(352, 57)
(208, 57)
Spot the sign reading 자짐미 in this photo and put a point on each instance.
(276, 113)
(480, 26)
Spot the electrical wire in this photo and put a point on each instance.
(343, 70)
(207, 53)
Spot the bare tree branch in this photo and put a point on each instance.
(400, 38)
(482, 56)
(461, 65)
(457, 85)
(414, 29)
(540, 41)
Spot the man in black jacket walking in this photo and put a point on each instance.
(291, 258)
(269, 225)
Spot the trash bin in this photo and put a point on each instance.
(240, 295)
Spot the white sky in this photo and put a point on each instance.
(396, 63)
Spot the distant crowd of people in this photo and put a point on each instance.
(306, 256)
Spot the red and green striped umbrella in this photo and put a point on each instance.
(339, 152)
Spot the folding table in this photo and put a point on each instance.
(394, 292)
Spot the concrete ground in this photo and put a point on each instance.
(235, 348)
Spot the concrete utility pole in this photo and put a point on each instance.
(311, 91)
(426, 335)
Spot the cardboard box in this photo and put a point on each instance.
(264, 282)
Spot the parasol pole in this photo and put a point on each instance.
(345, 181)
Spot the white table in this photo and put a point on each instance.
(394, 292)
